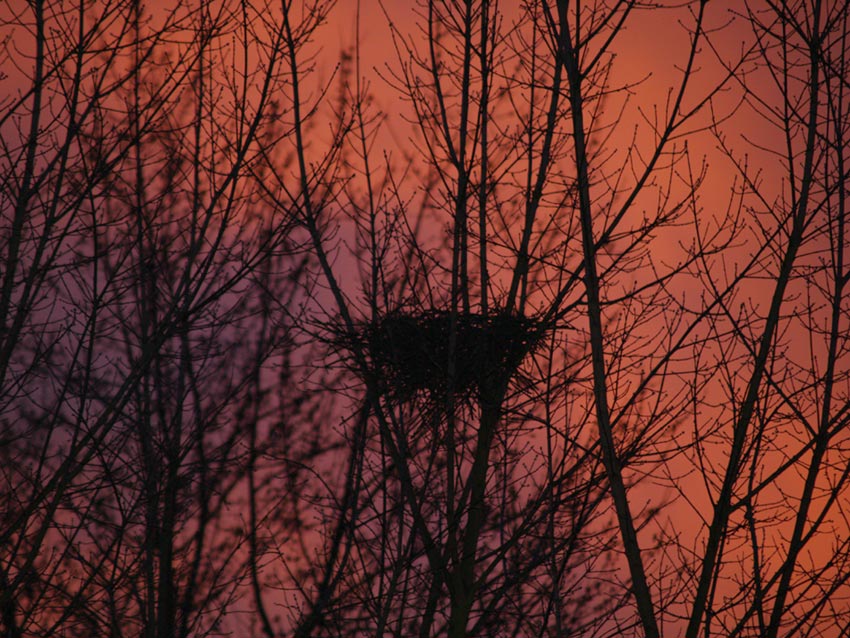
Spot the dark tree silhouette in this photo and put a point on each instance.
(148, 311)
(505, 359)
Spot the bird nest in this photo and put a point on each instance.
(412, 352)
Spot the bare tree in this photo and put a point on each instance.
(525, 374)
(488, 355)
(779, 489)
(148, 308)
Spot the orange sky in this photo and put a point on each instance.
(650, 51)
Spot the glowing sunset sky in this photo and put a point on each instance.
(390, 363)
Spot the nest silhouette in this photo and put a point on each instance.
(412, 353)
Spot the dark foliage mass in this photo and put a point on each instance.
(461, 354)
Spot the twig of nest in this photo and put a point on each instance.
(412, 352)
